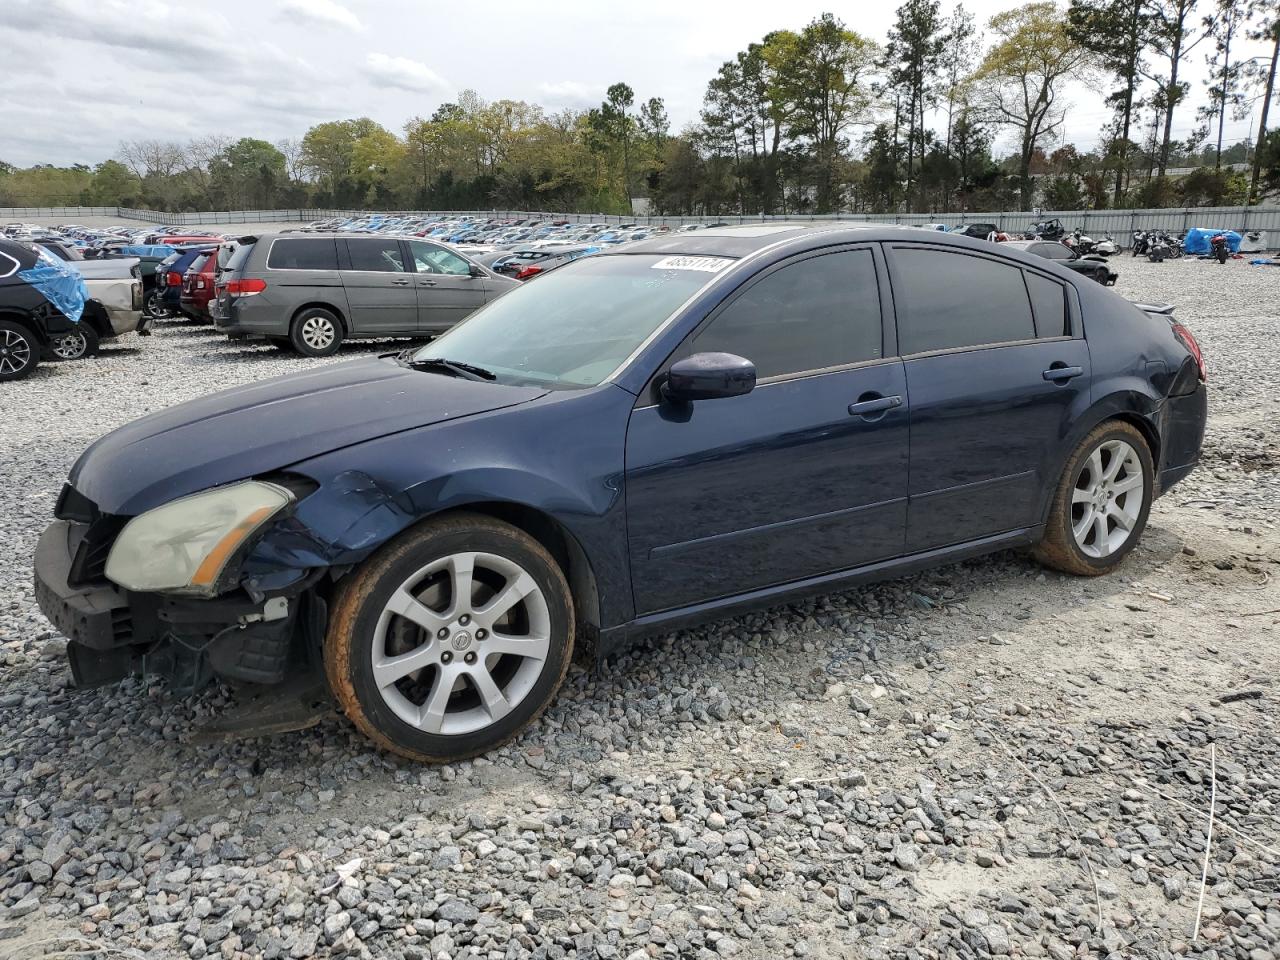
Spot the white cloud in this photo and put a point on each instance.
(404, 73)
(569, 92)
(325, 13)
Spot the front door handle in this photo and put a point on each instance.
(1062, 374)
(874, 405)
(400, 283)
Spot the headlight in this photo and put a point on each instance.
(184, 546)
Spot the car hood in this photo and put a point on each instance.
(265, 426)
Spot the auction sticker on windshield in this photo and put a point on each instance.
(705, 264)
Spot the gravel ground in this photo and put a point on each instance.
(985, 759)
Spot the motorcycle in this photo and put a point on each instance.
(1106, 246)
(1080, 242)
(1141, 242)
(1218, 249)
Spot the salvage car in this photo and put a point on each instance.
(310, 292)
(1093, 266)
(638, 441)
(40, 302)
(114, 307)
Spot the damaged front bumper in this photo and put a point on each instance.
(114, 633)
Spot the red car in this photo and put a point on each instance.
(197, 286)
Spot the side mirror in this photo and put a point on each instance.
(709, 376)
(476, 272)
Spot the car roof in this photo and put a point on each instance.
(744, 240)
(732, 241)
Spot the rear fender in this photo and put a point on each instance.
(1137, 406)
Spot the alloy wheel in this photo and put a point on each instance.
(1107, 499)
(15, 351)
(71, 347)
(318, 332)
(461, 643)
(154, 307)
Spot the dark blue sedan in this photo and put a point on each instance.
(640, 440)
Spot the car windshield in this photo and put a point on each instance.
(573, 327)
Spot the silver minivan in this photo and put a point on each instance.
(311, 291)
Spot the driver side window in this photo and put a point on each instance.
(818, 313)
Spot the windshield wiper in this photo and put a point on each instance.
(468, 371)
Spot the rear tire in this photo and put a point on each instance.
(80, 343)
(155, 307)
(19, 351)
(1100, 507)
(316, 332)
(424, 669)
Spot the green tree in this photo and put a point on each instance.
(1020, 81)
(916, 42)
(247, 173)
(1174, 38)
(1224, 27)
(1118, 33)
(825, 83)
(113, 185)
(1266, 13)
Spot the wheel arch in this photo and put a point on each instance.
(27, 322)
(555, 537)
(323, 305)
(1129, 406)
(95, 315)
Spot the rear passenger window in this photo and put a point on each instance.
(313, 253)
(379, 256)
(1049, 299)
(820, 312)
(949, 300)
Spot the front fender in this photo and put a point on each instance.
(561, 457)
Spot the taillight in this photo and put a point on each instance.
(245, 288)
(173, 279)
(1188, 341)
(528, 272)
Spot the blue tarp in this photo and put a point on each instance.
(161, 250)
(61, 285)
(1197, 240)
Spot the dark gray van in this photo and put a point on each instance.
(311, 291)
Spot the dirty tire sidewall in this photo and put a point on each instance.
(15, 332)
(1059, 550)
(298, 332)
(362, 597)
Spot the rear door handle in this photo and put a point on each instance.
(1062, 374)
(869, 408)
(400, 283)
(426, 283)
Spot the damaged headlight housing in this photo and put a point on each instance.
(184, 546)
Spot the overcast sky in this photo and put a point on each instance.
(82, 75)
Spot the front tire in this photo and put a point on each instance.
(451, 639)
(19, 351)
(1101, 505)
(316, 332)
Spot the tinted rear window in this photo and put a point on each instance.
(239, 257)
(309, 253)
(950, 300)
(1050, 302)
